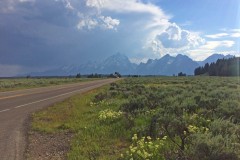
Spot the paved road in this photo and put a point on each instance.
(16, 106)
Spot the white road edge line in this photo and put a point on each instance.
(53, 97)
(5, 110)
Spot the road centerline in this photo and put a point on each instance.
(5, 110)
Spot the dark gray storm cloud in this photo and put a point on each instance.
(35, 33)
(44, 33)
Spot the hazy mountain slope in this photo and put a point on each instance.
(167, 65)
(213, 58)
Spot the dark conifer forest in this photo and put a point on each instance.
(223, 67)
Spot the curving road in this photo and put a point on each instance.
(16, 106)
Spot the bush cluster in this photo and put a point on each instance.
(198, 115)
(109, 115)
(145, 148)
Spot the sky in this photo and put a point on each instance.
(38, 35)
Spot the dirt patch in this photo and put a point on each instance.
(43, 146)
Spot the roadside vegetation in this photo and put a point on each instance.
(151, 118)
(25, 83)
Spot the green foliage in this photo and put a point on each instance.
(109, 115)
(184, 110)
(94, 138)
(198, 115)
(134, 105)
(22, 83)
(181, 74)
(95, 75)
(78, 75)
(223, 67)
(145, 148)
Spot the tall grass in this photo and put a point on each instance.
(93, 138)
(193, 117)
(24, 83)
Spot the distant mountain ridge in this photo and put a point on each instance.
(167, 65)
(214, 58)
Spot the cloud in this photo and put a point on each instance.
(109, 23)
(210, 47)
(217, 44)
(26, 1)
(235, 35)
(228, 33)
(9, 6)
(201, 54)
(233, 30)
(6, 6)
(91, 17)
(138, 60)
(58, 32)
(218, 35)
(174, 40)
(129, 6)
(175, 37)
(88, 23)
(68, 4)
(96, 9)
(158, 34)
(222, 43)
(19, 70)
(100, 21)
(9, 70)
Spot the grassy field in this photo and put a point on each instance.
(25, 83)
(151, 118)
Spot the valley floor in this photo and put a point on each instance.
(143, 118)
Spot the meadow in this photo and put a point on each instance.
(9, 84)
(185, 118)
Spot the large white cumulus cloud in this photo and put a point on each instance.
(174, 40)
(103, 22)
(155, 15)
(93, 18)
(175, 37)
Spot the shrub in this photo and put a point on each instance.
(100, 97)
(134, 105)
(146, 148)
(109, 115)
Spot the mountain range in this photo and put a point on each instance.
(167, 65)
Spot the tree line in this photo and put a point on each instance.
(223, 67)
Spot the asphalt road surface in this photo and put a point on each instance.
(16, 106)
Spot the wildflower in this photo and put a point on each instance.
(134, 137)
(109, 114)
(145, 148)
(149, 138)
